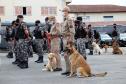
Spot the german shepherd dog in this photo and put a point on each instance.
(78, 64)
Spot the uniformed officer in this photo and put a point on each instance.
(39, 40)
(68, 32)
(90, 36)
(80, 36)
(10, 33)
(21, 48)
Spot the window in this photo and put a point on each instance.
(86, 18)
(23, 10)
(48, 11)
(1, 10)
(108, 18)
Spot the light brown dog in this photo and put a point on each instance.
(78, 63)
(116, 49)
(105, 46)
(52, 63)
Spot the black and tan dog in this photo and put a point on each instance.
(78, 63)
(105, 46)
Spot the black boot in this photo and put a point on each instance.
(30, 55)
(16, 62)
(10, 55)
(40, 60)
(91, 53)
(65, 73)
(23, 65)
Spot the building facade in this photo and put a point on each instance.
(100, 14)
(31, 9)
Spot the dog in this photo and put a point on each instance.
(78, 64)
(105, 46)
(51, 65)
(96, 48)
(116, 49)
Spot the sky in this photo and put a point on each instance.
(90, 2)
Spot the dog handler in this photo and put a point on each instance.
(68, 32)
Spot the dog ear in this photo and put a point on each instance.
(70, 43)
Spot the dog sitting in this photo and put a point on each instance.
(78, 64)
(96, 48)
(52, 63)
(116, 49)
(105, 46)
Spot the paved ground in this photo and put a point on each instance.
(115, 65)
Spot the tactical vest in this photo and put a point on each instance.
(38, 34)
(20, 34)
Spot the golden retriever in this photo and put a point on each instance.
(51, 65)
(96, 48)
(78, 63)
(116, 49)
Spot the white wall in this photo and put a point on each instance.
(36, 9)
(98, 17)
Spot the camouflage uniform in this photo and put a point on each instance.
(21, 48)
(80, 35)
(39, 46)
(39, 42)
(90, 40)
(68, 32)
(10, 40)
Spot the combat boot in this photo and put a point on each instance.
(91, 53)
(23, 65)
(10, 55)
(40, 60)
(16, 62)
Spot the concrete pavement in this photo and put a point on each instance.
(115, 65)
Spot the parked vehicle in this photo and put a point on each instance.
(122, 39)
(105, 38)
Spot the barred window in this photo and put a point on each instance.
(23, 10)
(48, 11)
(1, 10)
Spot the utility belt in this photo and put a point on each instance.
(55, 36)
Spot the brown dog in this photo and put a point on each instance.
(51, 65)
(105, 46)
(78, 63)
(116, 49)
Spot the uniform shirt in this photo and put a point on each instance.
(68, 26)
(80, 31)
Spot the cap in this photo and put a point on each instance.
(66, 8)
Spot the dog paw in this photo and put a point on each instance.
(51, 70)
(44, 69)
(69, 76)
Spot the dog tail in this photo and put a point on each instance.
(99, 74)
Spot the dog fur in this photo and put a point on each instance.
(96, 48)
(105, 46)
(78, 63)
(116, 49)
(51, 65)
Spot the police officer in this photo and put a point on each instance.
(115, 33)
(90, 36)
(80, 36)
(68, 32)
(21, 48)
(10, 33)
(39, 42)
